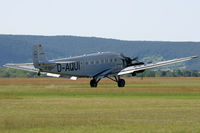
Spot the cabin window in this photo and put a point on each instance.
(111, 60)
(91, 62)
(97, 62)
(86, 63)
(102, 61)
(106, 60)
(115, 60)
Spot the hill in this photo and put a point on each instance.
(18, 48)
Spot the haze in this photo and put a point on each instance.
(163, 20)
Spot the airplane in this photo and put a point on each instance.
(96, 66)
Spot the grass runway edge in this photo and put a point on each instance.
(61, 105)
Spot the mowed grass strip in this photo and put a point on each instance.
(60, 105)
(135, 88)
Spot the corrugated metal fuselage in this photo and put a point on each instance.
(86, 65)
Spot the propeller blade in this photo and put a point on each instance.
(136, 58)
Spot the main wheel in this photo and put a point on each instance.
(93, 83)
(121, 83)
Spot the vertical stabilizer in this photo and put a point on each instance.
(38, 56)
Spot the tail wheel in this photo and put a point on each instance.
(93, 83)
(121, 83)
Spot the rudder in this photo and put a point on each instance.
(38, 55)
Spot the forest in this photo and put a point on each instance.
(18, 48)
(13, 73)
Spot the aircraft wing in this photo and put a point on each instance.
(132, 69)
(25, 66)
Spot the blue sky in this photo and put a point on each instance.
(165, 20)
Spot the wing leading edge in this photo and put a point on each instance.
(132, 69)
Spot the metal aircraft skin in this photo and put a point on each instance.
(95, 66)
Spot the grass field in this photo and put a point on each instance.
(48, 105)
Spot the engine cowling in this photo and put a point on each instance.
(135, 73)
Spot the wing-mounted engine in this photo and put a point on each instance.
(132, 62)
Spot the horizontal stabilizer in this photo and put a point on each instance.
(25, 67)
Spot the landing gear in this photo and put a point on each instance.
(121, 83)
(93, 83)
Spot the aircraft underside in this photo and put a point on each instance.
(120, 82)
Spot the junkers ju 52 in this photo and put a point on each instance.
(96, 66)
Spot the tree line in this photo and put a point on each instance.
(14, 73)
(176, 73)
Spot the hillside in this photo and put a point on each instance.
(18, 48)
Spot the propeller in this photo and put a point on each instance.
(129, 60)
(133, 62)
(38, 73)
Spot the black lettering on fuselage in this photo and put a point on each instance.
(67, 67)
(74, 66)
(59, 67)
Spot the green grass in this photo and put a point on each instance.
(162, 105)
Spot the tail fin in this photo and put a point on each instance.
(38, 56)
